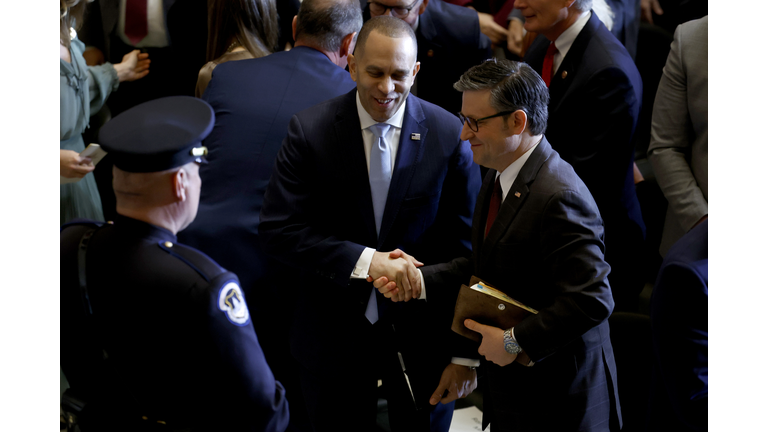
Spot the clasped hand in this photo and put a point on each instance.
(395, 275)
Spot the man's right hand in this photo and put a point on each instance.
(395, 275)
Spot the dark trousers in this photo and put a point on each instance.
(344, 397)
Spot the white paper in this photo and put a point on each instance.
(468, 420)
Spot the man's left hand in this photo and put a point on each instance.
(492, 346)
(459, 380)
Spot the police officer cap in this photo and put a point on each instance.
(158, 135)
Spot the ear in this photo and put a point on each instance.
(517, 122)
(416, 69)
(347, 45)
(352, 67)
(423, 6)
(179, 181)
(293, 27)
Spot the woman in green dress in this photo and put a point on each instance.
(84, 89)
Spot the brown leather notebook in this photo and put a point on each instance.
(486, 305)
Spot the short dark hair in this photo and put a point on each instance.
(514, 86)
(388, 26)
(326, 23)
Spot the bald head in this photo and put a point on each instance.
(387, 26)
(168, 199)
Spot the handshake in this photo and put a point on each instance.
(396, 275)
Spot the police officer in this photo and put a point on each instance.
(155, 334)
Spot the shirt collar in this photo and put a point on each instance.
(564, 42)
(509, 175)
(367, 121)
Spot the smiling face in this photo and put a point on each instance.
(384, 71)
(493, 145)
(548, 17)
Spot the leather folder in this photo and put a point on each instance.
(486, 305)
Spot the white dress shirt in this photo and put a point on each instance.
(565, 40)
(393, 139)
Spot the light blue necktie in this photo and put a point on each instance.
(380, 176)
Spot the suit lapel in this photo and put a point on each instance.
(515, 198)
(481, 213)
(409, 153)
(349, 137)
(569, 67)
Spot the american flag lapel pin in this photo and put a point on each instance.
(517, 194)
(415, 137)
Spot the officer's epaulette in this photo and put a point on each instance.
(80, 221)
(200, 262)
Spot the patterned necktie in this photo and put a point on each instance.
(546, 69)
(495, 205)
(136, 27)
(380, 176)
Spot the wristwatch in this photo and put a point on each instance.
(510, 344)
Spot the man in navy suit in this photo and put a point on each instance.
(254, 100)
(536, 236)
(595, 93)
(450, 42)
(373, 170)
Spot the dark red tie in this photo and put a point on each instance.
(546, 69)
(493, 208)
(136, 20)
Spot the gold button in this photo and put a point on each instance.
(564, 74)
(143, 417)
(168, 244)
(430, 53)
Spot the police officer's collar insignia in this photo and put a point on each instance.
(232, 302)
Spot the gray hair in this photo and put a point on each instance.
(326, 23)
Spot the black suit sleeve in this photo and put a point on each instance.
(574, 270)
(287, 229)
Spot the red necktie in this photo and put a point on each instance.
(136, 20)
(493, 208)
(546, 69)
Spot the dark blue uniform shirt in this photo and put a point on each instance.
(170, 337)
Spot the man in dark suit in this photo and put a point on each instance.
(537, 236)
(679, 305)
(372, 170)
(450, 42)
(590, 73)
(254, 100)
(152, 331)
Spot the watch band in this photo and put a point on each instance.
(510, 344)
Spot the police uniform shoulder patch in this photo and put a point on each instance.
(232, 303)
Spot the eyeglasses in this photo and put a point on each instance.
(377, 9)
(474, 124)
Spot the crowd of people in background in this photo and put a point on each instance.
(284, 179)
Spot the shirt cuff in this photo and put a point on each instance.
(423, 295)
(363, 264)
(512, 333)
(473, 363)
